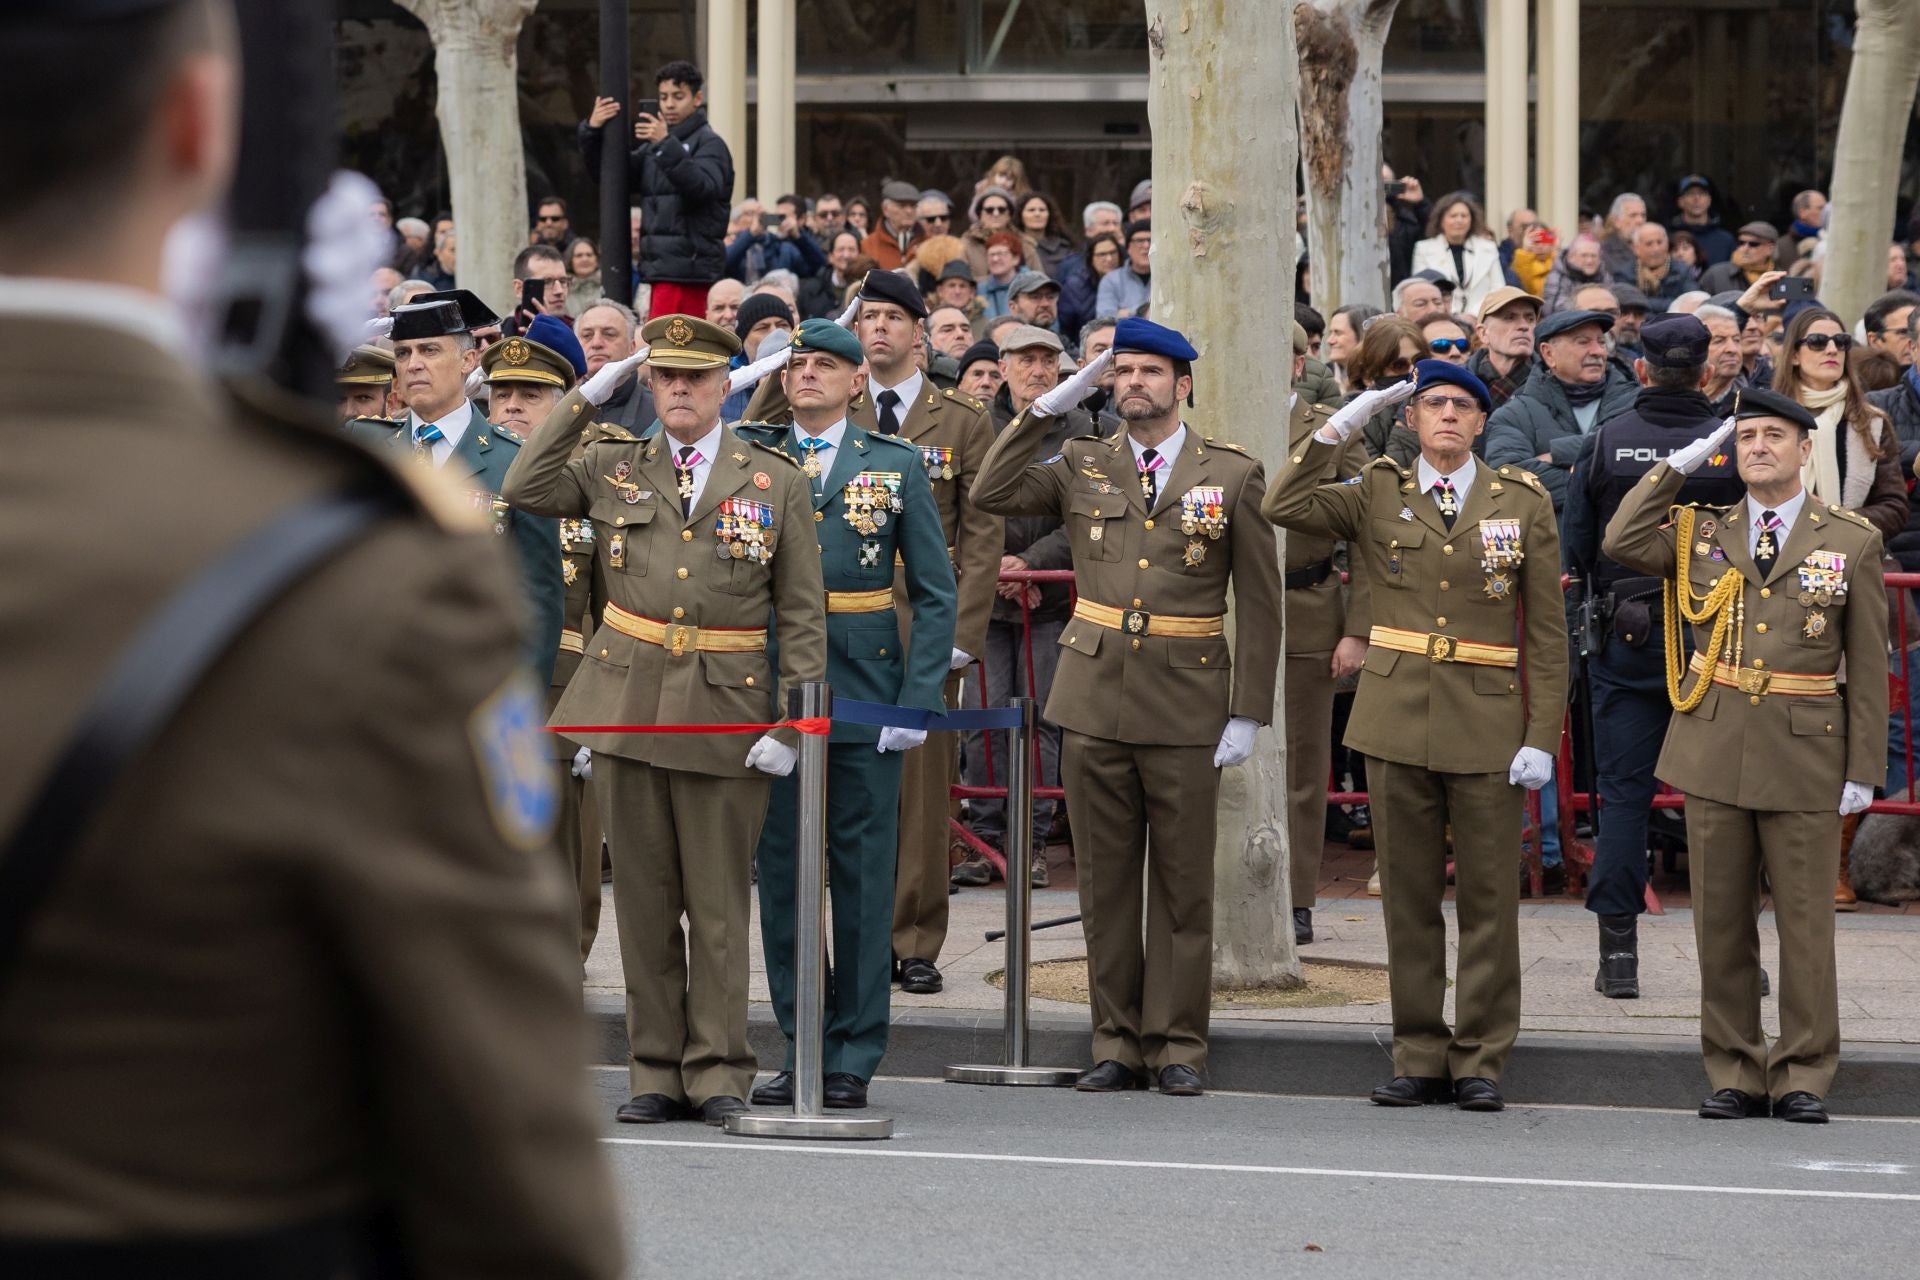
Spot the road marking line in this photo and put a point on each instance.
(1850, 1166)
(1300, 1171)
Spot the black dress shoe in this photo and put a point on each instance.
(844, 1092)
(1413, 1091)
(920, 977)
(1109, 1077)
(1732, 1104)
(649, 1108)
(715, 1110)
(1477, 1093)
(1302, 926)
(1801, 1107)
(1177, 1081)
(777, 1092)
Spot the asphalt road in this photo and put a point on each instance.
(1019, 1184)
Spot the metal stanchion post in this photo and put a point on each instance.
(1019, 920)
(812, 700)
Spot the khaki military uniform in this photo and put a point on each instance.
(578, 834)
(1763, 758)
(683, 639)
(1440, 713)
(1145, 686)
(311, 943)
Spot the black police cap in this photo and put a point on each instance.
(891, 286)
(1758, 402)
(1675, 342)
(419, 320)
(474, 313)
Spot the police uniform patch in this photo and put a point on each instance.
(515, 771)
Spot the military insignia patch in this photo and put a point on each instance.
(515, 772)
(1047, 462)
(516, 351)
(679, 333)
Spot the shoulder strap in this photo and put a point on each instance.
(150, 680)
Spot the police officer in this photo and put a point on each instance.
(1150, 702)
(1454, 550)
(702, 539)
(872, 508)
(365, 382)
(1622, 617)
(1769, 752)
(301, 974)
(434, 350)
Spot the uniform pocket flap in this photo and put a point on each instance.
(1082, 637)
(621, 514)
(1818, 719)
(1406, 533)
(1495, 680)
(1199, 655)
(873, 643)
(1099, 506)
(610, 648)
(1380, 660)
(735, 670)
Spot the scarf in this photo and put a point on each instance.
(1821, 474)
(1579, 393)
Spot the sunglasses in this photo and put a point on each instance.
(995, 208)
(1455, 345)
(1842, 342)
(1748, 242)
(936, 217)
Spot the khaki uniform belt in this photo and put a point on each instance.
(680, 639)
(1756, 681)
(1137, 622)
(1444, 648)
(860, 601)
(572, 641)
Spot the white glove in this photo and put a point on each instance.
(771, 756)
(193, 274)
(747, 375)
(344, 247)
(1236, 743)
(960, 659)
(1074, 389)
(583, 763)
(846, 318)
(379, 327)
(1687, 461)
(600, 387)
(1532, 768)
(475, 380)
(1854, 798)
(1349, 419)
(892, 739)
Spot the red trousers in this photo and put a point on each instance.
(678, 299)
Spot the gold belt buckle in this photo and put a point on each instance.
(1753, 682)
(1439, 647)
(680, 639)
(1135, 621)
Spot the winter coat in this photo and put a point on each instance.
(1901, 404)
(1564, 281)
(1483, 274)
(1539, 419)
(684, 184)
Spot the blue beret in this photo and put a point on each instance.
(1148, 338)
(821, 334)
(891, 286)
(1429, 373)
(1561, 321)
(555, 335)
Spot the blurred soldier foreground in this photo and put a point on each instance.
(298, 1001)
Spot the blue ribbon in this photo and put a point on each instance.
(885, 716)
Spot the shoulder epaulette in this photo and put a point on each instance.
(962, 397)
(1854, 516)
(1389, 464)
(501, 433)
(893, 442)
(1093, 436)
(1228, 444)
(374, 420)
(1525, 477)
(601, 431)
(781, 454)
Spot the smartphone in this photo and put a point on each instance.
(1547, 236)
(533, 294)
(1791, 288)
(771, 221)
(648, 107)
(1396, 188)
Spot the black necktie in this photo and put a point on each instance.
(1148, 485)
(1448, 500)
(1767, 547)
(889, 420)
(683, 476)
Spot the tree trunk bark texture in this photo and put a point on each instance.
(1866, 161)
(1341, 44)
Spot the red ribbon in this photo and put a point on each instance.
(814, 726)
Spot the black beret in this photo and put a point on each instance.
(891, 286)
(1758, 402)
(1675, 342)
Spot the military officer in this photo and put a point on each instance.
(872, 509)
(701, 539)
(1150, 704)
(434, 351)
(300, 975)
(1769, 751)
(1453, 551)
(365, 382)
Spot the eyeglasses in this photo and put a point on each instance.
(936, 217)
(1748, 242)
(1842, 342)
(1456, 345)
(1436, 404)
(996, 208)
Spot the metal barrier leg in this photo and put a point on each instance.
(1019, 920)
(811, 700)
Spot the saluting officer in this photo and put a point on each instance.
(365, 382)
(1769, 751)
(434, 350)
(701, 539)
(1453, 551)
(872, 508)
(1149, 701)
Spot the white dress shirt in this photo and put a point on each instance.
(707, 446)
(1168, 450)
(1788, 512)
(908, 390)
(452, 428)
(832, 437)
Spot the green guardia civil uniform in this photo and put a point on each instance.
(872, 507)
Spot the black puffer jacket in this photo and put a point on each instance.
(1900, 404)
(684, 185)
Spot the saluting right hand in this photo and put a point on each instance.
(1687, 461)
(1074, 389)
(600, 387)
(1349, 418)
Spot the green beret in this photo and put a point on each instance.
(821, 334)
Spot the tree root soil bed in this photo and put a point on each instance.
(1329, 983)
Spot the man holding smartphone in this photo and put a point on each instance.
(540, 283)
(682, 172)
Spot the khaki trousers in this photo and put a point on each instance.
(920, 877)
(576, 835)
(1727, 850)
(1143, 825)
(1412, 807)
(1309, 726)
(682, 844)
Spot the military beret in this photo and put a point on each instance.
(474, 312)
(418, 320)
(366, 365)
(1429, 373)
(1565, 321)
(523, 359)
(821, 334)
(1144, 336)
(981, 350)
(1675, 342)
(1025, 282)
(556, 334)
(687, 342)
(1758, 402)
(891, 286)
